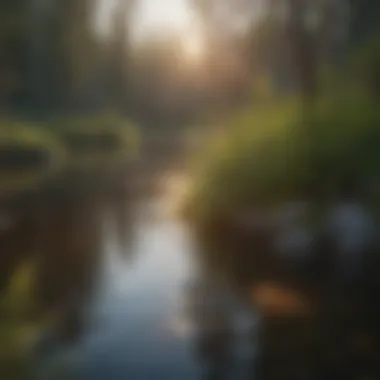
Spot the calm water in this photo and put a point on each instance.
(135, 295)
(150, 314)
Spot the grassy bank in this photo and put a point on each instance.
(274, 153)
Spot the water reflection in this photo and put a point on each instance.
(312, 323)
(62, 232)
(120, 210)
(71, 244)
(224, 324)
(103, 253)
(211, 313)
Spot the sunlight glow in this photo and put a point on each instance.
(166, 19)
(175, 188)
(168, 16)
(193, 46)
(103, 16)
(173, 18)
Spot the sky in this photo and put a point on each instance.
(174, 15)
(152, 16)
(165, 19)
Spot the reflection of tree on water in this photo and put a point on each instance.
(210, 312)
(119, 207)
(71, 247)
(214, 310)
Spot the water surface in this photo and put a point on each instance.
(143, 321)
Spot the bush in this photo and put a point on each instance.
(93, 142)
(273, 154)
(243, 161)
(28, 156)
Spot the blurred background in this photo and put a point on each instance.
(189, 189)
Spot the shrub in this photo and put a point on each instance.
(93, 142)
(28, 156)
(272, 154)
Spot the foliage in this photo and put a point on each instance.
(29, 155)
(97, 140)
(272, 154)
(364, 67)
(244, 162)
(345, 145)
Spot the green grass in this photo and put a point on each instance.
(272, 154)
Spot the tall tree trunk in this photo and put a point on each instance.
(304, 52)
(120, 54)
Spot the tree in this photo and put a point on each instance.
(13, 46)
(70, 51)
(296, 38)
(47, 51)
(303, 49)
(119, 54)
(365, 19)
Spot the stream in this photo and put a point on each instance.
(155, 312)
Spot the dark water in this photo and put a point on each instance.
(132, 293)
(122, 275)
(135, 327)
(121, 289)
